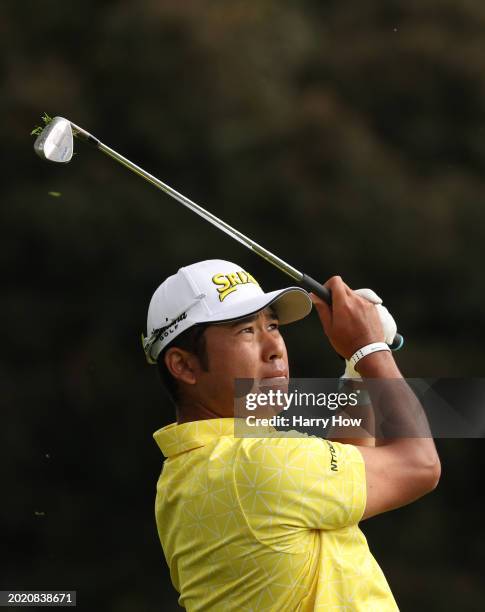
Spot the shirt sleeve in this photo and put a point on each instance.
(299, 483)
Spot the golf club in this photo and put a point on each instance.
(55, 143)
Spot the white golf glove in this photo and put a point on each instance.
(388, 325)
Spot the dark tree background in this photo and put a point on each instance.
(348, 137)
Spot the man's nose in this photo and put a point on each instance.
(273, 346)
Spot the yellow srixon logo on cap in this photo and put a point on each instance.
(227, 283)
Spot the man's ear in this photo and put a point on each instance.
(182, 365)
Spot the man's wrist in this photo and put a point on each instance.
(362, 352)
(378, 365)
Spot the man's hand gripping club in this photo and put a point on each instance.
(356, 319)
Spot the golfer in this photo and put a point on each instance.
(272, 523)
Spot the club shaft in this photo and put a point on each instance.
(307, 281)
(202, 212)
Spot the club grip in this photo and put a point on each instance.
(310, 284)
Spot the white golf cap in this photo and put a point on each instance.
(213, 291)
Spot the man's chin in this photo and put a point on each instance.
(275, 383)
(268, 397)
(275, 389)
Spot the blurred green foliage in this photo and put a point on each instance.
(346, 137)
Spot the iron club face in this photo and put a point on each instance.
(55, 143)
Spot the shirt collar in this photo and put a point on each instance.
(175, 439)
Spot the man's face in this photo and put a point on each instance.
(249, 348)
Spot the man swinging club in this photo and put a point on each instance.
(271, 523)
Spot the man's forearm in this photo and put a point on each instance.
(401, 418)
(362, 435)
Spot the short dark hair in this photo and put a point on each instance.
(192, 340)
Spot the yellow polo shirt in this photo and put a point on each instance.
(265, 524)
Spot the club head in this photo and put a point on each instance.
(55, 143)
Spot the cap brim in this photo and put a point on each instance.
(290, 304)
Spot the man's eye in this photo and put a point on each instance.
(274, 326)
(246, 330)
